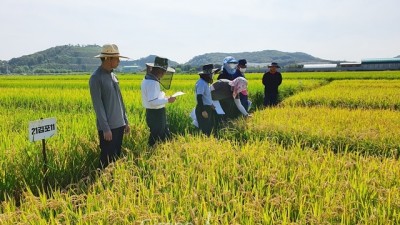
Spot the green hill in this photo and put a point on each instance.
(65, 59)
(259, 57)
(60, 59)
(80, 58)
(141, 63)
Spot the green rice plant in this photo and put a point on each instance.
(71, 154)
(286, 89)
(344, 75)
(238, 179)
(365, 131)
(369, 94)
(199, 180)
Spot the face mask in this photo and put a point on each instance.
(242, 70)
(230, 68)
(232, 65)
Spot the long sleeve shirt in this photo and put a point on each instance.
(271, 82)
(152, 96)
(107, 100)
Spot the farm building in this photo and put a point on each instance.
(364, 65)
(381, 64)
(130, 69)
(320, 67)
(349, 66)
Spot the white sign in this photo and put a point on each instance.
(42, 129)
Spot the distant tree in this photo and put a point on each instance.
(31, 61)
(186, 68)
(40, 71)
(178, 70)
(40, 59)
(21, 70)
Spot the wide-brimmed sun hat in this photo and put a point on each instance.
(110, 50)
(274, 64)
(162, 63)
(209, 69)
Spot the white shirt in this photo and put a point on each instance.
(152, 96)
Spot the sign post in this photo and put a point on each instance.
(40, 130)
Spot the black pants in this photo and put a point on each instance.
(156, 120)
(206, 125)
(111, 150)
(270, 99)
(244, 99)
(231, 110)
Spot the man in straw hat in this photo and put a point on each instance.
(111, 118)
(271, 81)
(154, 100)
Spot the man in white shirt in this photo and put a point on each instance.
(154, 100)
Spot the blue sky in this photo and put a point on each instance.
(181, 29)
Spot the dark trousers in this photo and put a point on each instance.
(206, 125)
(244, 99)
(230, 109)
(156, 120)
(110, 150)
(270, 99)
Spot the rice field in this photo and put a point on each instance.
(367, 94)
(328, 154)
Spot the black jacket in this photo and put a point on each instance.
(225, 75)
(272, 82)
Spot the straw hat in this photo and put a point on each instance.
(110, 50)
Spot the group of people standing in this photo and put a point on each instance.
(219, 101)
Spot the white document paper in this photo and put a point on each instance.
(218, 108)
(178, 94)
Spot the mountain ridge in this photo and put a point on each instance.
(264, 56)
(80, 58)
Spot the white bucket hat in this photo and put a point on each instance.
(110, 50)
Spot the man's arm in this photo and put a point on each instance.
(95, 93)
